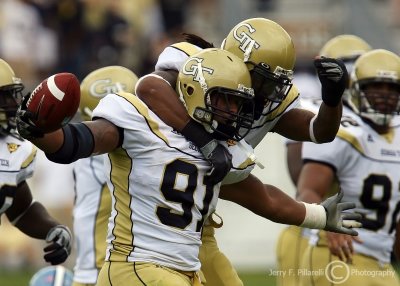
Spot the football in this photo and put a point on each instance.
(54, 101)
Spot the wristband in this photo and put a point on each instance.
(196, 133)
(315, 216)
(311, 129)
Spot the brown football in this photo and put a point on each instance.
(54, 101)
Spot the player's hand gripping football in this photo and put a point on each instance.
(24, 118)
(332, 74)
(58, 250)
(50, 106)
(337, 218)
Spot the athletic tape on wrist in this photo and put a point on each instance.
(315, 216)
(311, 129)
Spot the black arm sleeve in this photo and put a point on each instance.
(78, 143)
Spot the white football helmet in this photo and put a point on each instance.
(215, 87)
(100, 82)
(366, 96)
(269, 53)
(52, 276)
(10, 98)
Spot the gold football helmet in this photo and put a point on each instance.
(10, 98)
(346, 48)
(367, 96)
(100, 82)
(269, 53)
(215, 87)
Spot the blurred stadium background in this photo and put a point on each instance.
(41, 37)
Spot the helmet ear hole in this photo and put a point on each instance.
(189, 90)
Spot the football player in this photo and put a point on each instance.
(17, 163)
(92, 204)
(346, 48)
(269, 53)
(364, 160)
(161, 193)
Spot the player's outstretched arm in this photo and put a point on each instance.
(157, 92)
(270, 202)
(76, 140)
(43, 118)
(33, 219)
(71, 142)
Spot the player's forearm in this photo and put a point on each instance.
(162, 99)
(326, 123)
(50, 142)
(36, 221)
(282, 208)
(264, 200)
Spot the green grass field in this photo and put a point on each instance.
(21, 278)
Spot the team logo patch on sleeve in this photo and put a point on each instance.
(12, 147)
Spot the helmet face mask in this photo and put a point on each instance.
(379, 101)
(269, 53)
(226, 106)
(270, 86)
(214, 85)
(375, 87)
(10, 99)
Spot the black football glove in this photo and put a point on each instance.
(218, 156)
(332, 74)
(220, 159)
(58, 250)
(25, 126)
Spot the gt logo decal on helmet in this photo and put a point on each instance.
(247, 43)
(194, 68)
(102, 87)
(103, 81)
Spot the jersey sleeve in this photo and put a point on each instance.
(333, 154)
(173, 57)
(27, 164)
(120, 109)
(18, 162)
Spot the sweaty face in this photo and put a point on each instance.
(383, 97)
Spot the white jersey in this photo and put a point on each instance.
(156, 179)
(17, 162)
(92, 208)
(174, 56)
(366, 165)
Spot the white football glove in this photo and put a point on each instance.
(58, 250)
